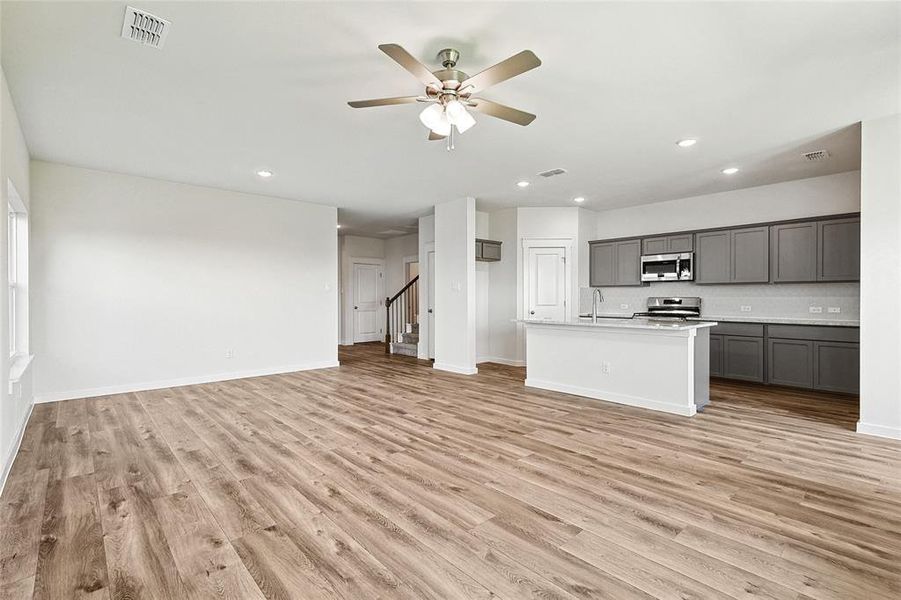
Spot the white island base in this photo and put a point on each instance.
(659, 366)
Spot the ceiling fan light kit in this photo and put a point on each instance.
(449, 92)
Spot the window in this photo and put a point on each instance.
(17, 248)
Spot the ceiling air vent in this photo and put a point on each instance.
(552, 173)
(144, 28)
(816, 155)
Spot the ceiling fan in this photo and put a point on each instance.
(449, 92)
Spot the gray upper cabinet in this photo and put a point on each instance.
(614, 263)
(838, 250)
(667, 243)
(655, 245)
(680, 243)
(712, 259)
(750, 255)
(794, 252)
(628, 263)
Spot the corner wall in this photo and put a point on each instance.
(140, 283)
(14, 166)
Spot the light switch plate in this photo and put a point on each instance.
(816, 309)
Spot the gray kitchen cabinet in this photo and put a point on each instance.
(628, 262)
(743, 358)
(712, 259)
(654, 245)
(750, 259)
(790, 362)
(664, 244)
(836, 367)
(793, 252)
(680, 243)
(602, 264)
(488, 250)
(716, 355)
(838, 250)
(614, 263)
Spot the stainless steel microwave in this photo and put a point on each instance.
(667, 267)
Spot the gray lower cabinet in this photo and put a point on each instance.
(716, 355)
(838, 250)
(743, 358)
(790, 362)
(836, 367)
(614, 263)
(794, 252)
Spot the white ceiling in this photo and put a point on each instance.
(244, 86)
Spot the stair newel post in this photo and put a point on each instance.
(387, 325)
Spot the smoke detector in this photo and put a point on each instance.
(816, 155)
(144, 28)
(552, 173)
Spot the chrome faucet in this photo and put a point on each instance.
(596, 298)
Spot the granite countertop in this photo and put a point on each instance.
(625, 323)
(763, 320)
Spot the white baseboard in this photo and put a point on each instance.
(685, 411)
(893, 433)
(502, 361)
(11, 457)
(455, 369)
(167, 383)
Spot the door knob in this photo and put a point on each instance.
(355, 308)
(531, 312)
(430, 311)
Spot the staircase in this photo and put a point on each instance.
(402, 320)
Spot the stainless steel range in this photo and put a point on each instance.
(672, 308)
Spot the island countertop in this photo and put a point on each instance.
(620, 323)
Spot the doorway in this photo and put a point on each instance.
(367, 296)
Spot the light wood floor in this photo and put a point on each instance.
(386, 479)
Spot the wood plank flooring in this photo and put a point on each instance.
(387, 479)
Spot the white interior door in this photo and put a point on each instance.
(431, 302)
(547, 284)
(367, 302)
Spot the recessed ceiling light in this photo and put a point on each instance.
(522, 183)
(686, 143)
(730, 170)
(578, 199)
(264, 174)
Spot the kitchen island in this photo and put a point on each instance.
(648, 363)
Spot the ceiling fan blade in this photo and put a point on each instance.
(386, 101)
(502, 71)
(434, 136)
(408, 62)
(500, 111)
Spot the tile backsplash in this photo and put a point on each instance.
(786, 300)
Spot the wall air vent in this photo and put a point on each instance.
(552, 173)
(816, 155)
(144, 28)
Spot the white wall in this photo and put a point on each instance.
(502, 295)
(349, 248)
(426, 241)
(396, 249)
(141, 283)
(455, 318)
(832, 194)
(14, 166)
(483, 293)
(880, 278)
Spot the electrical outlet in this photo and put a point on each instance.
(834, 309)
(605, 368)
(623, 306)
(816, 309)
(229, 354)
(745, 308)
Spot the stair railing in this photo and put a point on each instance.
(400, 310)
